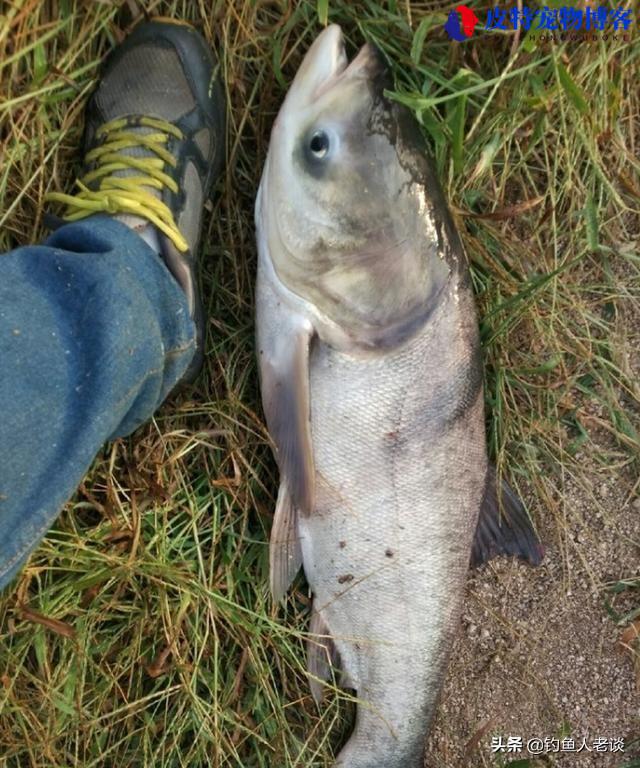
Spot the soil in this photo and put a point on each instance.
(538, 654)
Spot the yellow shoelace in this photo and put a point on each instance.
(127, 194)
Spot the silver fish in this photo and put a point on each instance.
(372, 388)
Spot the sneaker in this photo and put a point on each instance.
(154, 144)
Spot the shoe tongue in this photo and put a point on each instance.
(139, 224)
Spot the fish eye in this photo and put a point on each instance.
(319, 144)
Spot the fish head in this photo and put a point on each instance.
(327, 160)
(343, 208)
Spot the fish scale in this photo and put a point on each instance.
(396, 507)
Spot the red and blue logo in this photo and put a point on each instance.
(567, 21)
(461, 23)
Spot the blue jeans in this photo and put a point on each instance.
(94, 333)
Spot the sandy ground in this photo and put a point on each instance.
(537, 654)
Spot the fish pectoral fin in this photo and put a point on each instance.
(322, 655)
(285, 553)
(284, 374)
(504, 527)
(346, 681)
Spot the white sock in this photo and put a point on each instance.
(143, 228)
(150, 235)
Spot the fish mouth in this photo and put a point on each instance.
(326, 63)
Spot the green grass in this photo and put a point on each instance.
(141, 632)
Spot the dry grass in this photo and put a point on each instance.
(141, 632)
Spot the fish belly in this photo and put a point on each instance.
(400, 458)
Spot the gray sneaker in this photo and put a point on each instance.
(154, 144)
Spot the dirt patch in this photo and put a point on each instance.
(538, 654)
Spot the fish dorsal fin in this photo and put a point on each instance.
(285, 554)
(504, 528)
(322, 655)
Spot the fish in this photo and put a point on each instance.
(371, 378)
